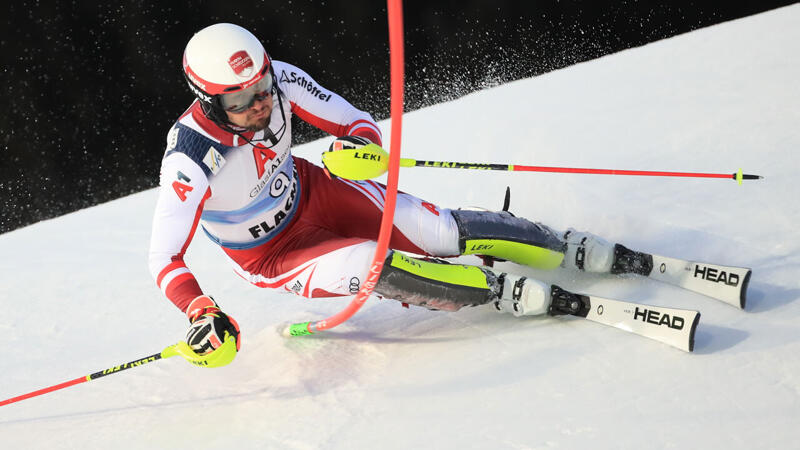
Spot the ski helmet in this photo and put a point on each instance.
(227, 69)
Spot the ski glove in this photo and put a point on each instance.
(348, 142)
(355, 158)
(210, 327)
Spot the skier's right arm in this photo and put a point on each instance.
(183, 191)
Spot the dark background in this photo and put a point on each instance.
(93, 87)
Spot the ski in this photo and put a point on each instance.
(725, 283)
(675, 327)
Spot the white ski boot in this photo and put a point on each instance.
(588, 252)
(522, 296)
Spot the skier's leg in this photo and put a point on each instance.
(315, 263)
(354, 209)
(502, 235)
(439, 285)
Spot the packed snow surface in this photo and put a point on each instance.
(77, 297)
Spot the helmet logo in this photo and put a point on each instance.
(241, 64)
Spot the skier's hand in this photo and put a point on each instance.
(355, 158)
(213, 336)
(348, 142)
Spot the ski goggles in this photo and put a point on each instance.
(241, 101)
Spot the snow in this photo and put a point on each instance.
(77, 297)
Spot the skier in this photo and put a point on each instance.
(290, 225)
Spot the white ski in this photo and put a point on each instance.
(725, 283)
(675, 327)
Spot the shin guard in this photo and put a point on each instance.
(435, 285)
(502, 235)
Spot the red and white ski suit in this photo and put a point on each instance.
(282, 222)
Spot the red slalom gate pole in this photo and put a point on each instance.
(395, 17)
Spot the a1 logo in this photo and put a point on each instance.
(182, 188)
(430, 207)
(262, 156)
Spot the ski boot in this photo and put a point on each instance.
(590, 253)
(521, 296)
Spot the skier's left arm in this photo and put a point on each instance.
(322, 108)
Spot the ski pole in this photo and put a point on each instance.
(408, 162)
(371, 161)
(222, 356)
(166, 353)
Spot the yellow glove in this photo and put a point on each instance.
(355, 158)
(213, 337)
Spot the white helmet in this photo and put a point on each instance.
(226, 68)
